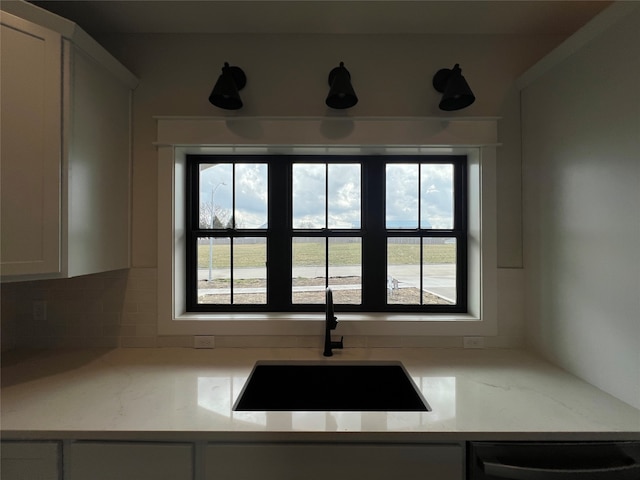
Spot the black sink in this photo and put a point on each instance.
(330, 386)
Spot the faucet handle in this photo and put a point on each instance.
(338, 344)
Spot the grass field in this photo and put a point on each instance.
(308, 254)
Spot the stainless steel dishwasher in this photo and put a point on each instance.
(553, 461)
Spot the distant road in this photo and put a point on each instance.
(440, 279)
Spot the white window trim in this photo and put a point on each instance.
(474, 137)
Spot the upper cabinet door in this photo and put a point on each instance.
(97, 165)
(30, 161)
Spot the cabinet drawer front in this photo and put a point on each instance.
(30, 460)
(120, 461)
(336, 461)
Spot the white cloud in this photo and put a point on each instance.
(309, 184)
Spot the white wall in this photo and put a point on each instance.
(581, 164)
(287, 76)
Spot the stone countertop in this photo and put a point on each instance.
(173, 394)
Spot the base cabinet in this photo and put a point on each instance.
(117, 460)
(319, 461)
(200, 460)
(30, 461)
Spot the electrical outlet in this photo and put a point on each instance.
(473, 342)
(204, 341)
(39, 310)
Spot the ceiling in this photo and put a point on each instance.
(556, 17)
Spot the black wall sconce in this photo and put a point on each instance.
(225, 92)
(341, 94)
(456, 93)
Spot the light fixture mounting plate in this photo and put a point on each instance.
(238, 77)
(441, 78)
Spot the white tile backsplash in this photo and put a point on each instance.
(109, 309)
(119, 309)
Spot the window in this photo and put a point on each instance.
(271, 232)
(422, 139)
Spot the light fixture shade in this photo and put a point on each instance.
(341, 94)
(225, 92)
(455, 90)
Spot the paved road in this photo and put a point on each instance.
(440, 279)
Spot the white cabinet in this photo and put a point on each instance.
(65, 165)
(124, 461)
(30, 460)
(320, 461)
(30, 147)
(117, 460)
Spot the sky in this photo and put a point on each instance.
(312, 182)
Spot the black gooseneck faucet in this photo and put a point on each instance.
(331, 322)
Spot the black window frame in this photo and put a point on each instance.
(279, 232)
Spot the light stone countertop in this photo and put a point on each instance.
(173, 394)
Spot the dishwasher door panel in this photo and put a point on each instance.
(554, 461)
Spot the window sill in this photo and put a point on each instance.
(313, 324)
